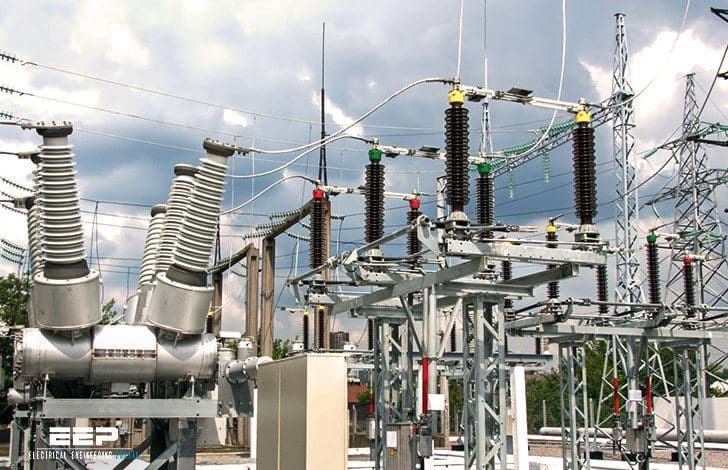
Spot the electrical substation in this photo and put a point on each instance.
(440, 292)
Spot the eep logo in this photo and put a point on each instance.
(82, 436)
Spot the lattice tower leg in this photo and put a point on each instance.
(574, 419)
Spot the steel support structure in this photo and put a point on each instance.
(697, 220)
(393, 380)
(626, 215)
(485, 385)
(688, 369)
(574, 406)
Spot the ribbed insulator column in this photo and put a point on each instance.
(179, 195)
(485, 198)
(602, 288)
(370, 334)
(193, 247)
(306, 330)
(414, 245)
(653, 269)
(585, 186)
(457, 150)
(151, 245)
(552, 288)
(689, 283)
(374, 198)
(35, 249)
(507, 275)
(317, 234)
(60, 208)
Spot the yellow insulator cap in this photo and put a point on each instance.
(456, 96)
(582, 116)
(551, 229)
(320, 309)
(305, 313)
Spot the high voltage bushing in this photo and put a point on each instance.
(317, 257)
(552, 288)
(689, 282)
(179, 195)
(457, 150)
(181, 296)
(67, 292)
(453, 339)
(374, 198)
(602, 288)
(653, 269)
(585, 187)
(485, 197)
(414, 245)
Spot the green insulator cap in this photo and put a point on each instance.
(484, 168)
(375, 155)
(651, 238)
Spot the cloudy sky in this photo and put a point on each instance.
(256, 64)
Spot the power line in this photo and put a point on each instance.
(12, 58)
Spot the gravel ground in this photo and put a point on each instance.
(713, 458)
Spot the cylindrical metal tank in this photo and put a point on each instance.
(123, 353)
(114, 353)
(179, 307)
(39, 352)
(188, 356)
(67, 304)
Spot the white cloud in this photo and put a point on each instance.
(303, 77)
(234, 118)
(338, 115)
(101, 27)
(661, 71)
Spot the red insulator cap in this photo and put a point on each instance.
(318, 194)
(415, 204)
(687, 260)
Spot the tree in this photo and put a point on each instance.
(282, 348)
(13, 313)
(108, 312)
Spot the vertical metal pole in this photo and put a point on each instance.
(186, 444)
(251, 296)
(216, 323)
(268, 250)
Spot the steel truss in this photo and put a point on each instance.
(485, 386)
(574, 406)
(688, 371)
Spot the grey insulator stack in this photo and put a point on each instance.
(181, 296)
(179, 195)
(193, 247)
(66, 293)
(63, 242)
(35, 249)
(151, 245)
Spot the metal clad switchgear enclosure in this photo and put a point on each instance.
(398, 452)
(302, 413)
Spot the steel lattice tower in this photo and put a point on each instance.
(697, 220)
(626, 215)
